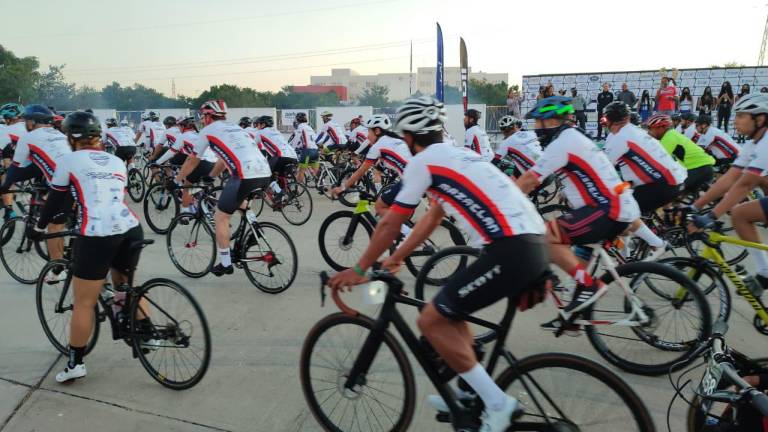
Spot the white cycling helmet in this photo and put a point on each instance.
(378, 121)
(752, 103)
(420, 116)
(508, 121)
(144, 116)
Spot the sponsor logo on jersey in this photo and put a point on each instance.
(480, 281)
(99, 158)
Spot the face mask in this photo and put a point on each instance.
(546, 134)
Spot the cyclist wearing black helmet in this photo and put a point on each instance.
(105, 224)
(304, 141)
(475, 137)
(119, 139)
(245, 122)
(281, 156)
(687, 126)
(9, 136)
(676, 120)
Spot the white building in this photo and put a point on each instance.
(399, 83)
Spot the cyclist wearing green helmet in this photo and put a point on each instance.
(9, 136)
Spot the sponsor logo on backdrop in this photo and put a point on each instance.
(594, 78)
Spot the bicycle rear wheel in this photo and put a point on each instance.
(675, 327)
(446, 235)
(191, 245)
(54, 301)
(136, 185)
(175, 345)
(269, 258)
(337, 250)
(160, 207)
(595, 398)
(297, 204)
(385, 398)
(710, 281)
(20, 255)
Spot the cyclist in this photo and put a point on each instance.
(142, 134)
(156, 136)
(521, 146)
(106, 227)
(498, 216)
(357, 134)
(475, 137)
(716, 142)
(248, 169)
(14, 128)
(656, 177)
(119, 137)
(303, 140)
(698, 163)
(603, 206)
(281, 156)
(331, 136)
(748, 172)
(687, 126)
(387, 150)
(676, 120)
(184, 146)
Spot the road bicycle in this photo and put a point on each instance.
(327, 176)
(162, 200)
(21, 256)
(294, 200)
(174, 346)
(135, 184)
(632, 325)
(356, 376)
(262, 249)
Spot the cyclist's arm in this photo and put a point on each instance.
(166, 156)
(720, 187)
(736, 193)
(358, 174)
(386, 232)
(528, 181)
(138, 137)
(420, 232)
(189, 165)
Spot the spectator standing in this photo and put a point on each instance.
(645, 106)
(724, 103)
(666, 97)
(541, 93)
(513, 103)
(549, 90)
(603, 98)
(626, 96)
(580, 108)
(745, 89)
(763, 89)
(686, 101)
(706, 102)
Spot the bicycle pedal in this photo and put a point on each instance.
(443, 417)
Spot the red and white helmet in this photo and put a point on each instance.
(659, 120)
(215, 108)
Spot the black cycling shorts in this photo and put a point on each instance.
(94, 256)
(202, 169)
(282, 165)
(62, 217)
(587, 225)
(506, 268)
(8, 150)
(764, 205)
(178, 159)
(125, 153)
(652, 196)
(353, 146)
(390, 192)
(237, 190)
(698, 178)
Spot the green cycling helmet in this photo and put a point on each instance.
(551, 107)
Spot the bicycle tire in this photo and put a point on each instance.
(525, 368)
(456, 237)
(685, 348)
(60, 340)
(257, 204)
(717, 292)
(176, 332)
(294, 193)
(408, 399)
(349, 199)
(250, 271)
(333, 263)
(22, 248)
(136, 185)
(731, 260)
(157, 201)
(197, 224)
(423, 278)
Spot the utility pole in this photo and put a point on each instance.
(410, 74)
(761, 58)
(173, 88)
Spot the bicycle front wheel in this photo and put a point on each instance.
(269, 258)
(297, 204)
(170, 334)
(675, 323)
(341, 243)
(19, 254)
(136, 185)
(160, 207)
(384, 399)
(191, 245)
(595, 398)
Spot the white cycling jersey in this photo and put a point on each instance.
(273, 142)
(719, 144)
(691, 133)
(331, 134)
(390, 153)
(235, 147)
(44, 147)
(522, 147)
(754, 157)
(97, 180)
(589, 177)
(172, 134)
(358, 134)
(642, 159)
(144, 129)
(11, 134)
(303, 138)
(189, 140)
(485, 202)
(477, 140)
(118, 137)
(157, 134)
(255, 134)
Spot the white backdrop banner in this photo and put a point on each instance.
(287, 116)
(342, 115)
(234, 114)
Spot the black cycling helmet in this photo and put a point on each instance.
(245, 122)
(81, 124)
(301, 117)
(266, 120)
(153, 116)
(38, 114)
(675, 117)
(689, 116)
(634, 118)
(169, 121)
(704, 119)
(111, 122)
(616, 111)
(473, 114)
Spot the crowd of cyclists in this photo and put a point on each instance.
(486, 189)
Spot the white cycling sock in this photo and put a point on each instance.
(648, 236)
(493, 397)
(761, 261)
(184, 209)
(226, 259)
(405, 230)
(275, 187)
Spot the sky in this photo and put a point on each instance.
(266, 45)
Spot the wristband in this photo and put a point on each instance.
(359, 270)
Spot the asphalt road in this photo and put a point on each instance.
(252, 384)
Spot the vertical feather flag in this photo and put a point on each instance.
(439, 72)
(464, 75)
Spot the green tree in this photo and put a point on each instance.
(730, 64)
(53, 89)
(18, 77)
(286, 98)
(376, 96)
(481, 91)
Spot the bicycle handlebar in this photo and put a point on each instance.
(377, 275)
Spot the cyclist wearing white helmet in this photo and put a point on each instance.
(499, 218)
(522, 147)
(142, 134)
(749, 171)
(331, 136)
(387, 150)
